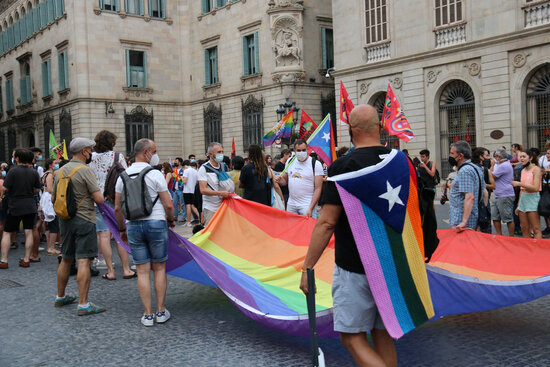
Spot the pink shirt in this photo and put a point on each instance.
(528, 178)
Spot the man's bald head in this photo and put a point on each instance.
(364, 118)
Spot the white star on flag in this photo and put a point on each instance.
(326, 137)
(392, 195)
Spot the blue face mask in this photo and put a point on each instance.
(192, 161)
(39, 158)
(56, 167)
(3, 173)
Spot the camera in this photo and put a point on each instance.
(443, 199)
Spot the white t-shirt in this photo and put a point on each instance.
(544, 163)
(155, 182)
(191, 175)
(101, 164)
(211, 203)
(301, 183)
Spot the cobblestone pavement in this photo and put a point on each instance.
(206, 330)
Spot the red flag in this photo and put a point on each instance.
(233, 148)
(307, 126)
(346, 105)
(394, 119)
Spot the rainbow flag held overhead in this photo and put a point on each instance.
(385, 222)
(283, 129)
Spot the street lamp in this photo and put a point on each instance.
(283, 110)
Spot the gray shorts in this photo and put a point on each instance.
(502, 209)
(79, 238)
(354, 308)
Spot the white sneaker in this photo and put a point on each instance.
(147, 320)
(40, 249)
(133, 267)
(101, 264)
(162, 317)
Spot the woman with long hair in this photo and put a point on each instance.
(168, 172)
(52, 227)
(257, 178)
(530, 187)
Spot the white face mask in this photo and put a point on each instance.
(219, 158)
(301, 156)
(154, 160)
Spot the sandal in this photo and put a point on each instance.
(106, 276)
(130, 276)
(53, 252)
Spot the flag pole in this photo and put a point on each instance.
(317, 358)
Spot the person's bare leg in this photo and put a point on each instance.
(498, 227)
(361, 351)
(384, 346)
(159, 274)
(534, 223)
(35, 243)
(125, 260)
(83, 280)
(144, 286)
(189, 212)
(104, 241)
(63, 276)
(524, 223)
(511, 228)
(6, 238)
(29, 243)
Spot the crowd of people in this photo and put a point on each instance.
(61, 202)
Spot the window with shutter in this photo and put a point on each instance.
(29, 23)
(60, 8)
(1, 112)
(136, 63)
(220, 3)
(134, 7)
(43, 15)
(36, 18)
(63, 70)
(46, 79)
(328, 48)
(211, 66)
(250, 54)
(51, 10)
(9, 95)
(157, 8)
(207, 6)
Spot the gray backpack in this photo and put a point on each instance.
(136, 202)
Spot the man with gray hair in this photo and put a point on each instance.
(502, 209)
(214, 181)
(464, 195)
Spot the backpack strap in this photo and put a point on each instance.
(478, 177)
(141, 176)
(313, 163)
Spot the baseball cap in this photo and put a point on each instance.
(77, 144)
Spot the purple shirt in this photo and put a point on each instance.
(504, 175)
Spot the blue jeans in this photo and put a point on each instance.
(148, 240)
(177, 197)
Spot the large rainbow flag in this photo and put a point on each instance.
(385, 221)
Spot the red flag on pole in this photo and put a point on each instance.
(307, 126)
(394, 119)
(233, 148)
(346, 105)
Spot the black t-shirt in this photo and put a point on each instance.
(426, 179)
(346, 254)
(279, 167)
(21, 182)
(255, 189)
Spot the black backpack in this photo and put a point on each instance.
(136, 201)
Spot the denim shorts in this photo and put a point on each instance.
(100, 224)
(148, 240)
(354, 308)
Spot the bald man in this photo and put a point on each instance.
(355, 311)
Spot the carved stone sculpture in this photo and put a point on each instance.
(287, 51)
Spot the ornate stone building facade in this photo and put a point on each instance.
(181, 72)
(462, 69)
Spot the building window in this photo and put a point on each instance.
(48, 126)
(376, 21)
(251, 54)
(43, 14)
(136, 69)
(220, 3)
(36, 16)
(212, 124)
(457, 119)
(16, 30)
(253, 124)
(139, 125)
(65, 126)
(23, 25)
(51, 10)
(2, 146)
(25, 84)
(328, 105)
(211, 66)
(110, 5)
(60, 8)
(134, 7)
(1, 107)
(207, 6)
(46, 78)
(63, 70)
(157, 8)
(447, 12)
(538, 107)
(328, 48)
(9, 95)
(378, 101)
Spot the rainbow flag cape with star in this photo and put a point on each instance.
(322, 141)
(283, 129)
(386, 225)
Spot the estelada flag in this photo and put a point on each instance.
(346, 105)
(307, 126)
(233, 148)
(393, 118)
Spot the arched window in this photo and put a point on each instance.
(11, 35)
(378, 101)
(538, 108)
(457, 119)
(253, 123)
(212, 124)
(30, 18)
(139, 125)
(16, 30)
(23, 24)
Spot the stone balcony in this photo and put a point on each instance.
(378, 52)
(537, 13)
(450, 36)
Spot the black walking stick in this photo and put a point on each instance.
(317, 358)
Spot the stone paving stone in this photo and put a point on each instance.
(207, 330)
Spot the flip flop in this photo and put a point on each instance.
(54, 252)
(130, 276)
(34, 261)
(105, 276)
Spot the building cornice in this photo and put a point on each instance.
(458, 49)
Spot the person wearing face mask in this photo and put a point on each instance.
(214, 181)
(502, 208)
(482, 158)
(530, 188)
(304, 178)
(148, 235)
(464, 194)
(79, 233)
